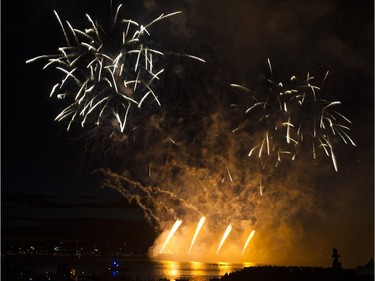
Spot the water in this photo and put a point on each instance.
(191, 270)
(136, 268)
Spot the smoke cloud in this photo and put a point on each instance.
(189, 157)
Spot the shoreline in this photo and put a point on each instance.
(140, 268)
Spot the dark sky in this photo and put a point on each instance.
(47, 172)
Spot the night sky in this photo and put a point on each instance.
(52, 179)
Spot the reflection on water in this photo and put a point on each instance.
(172, 269)
(198, 271)
(142, 269)
(225, 268)
(197, 268)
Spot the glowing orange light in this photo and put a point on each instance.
(172, 269)
(247, 241)
(200, 224)
(173, 230)
(226, 233)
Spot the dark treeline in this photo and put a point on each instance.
(300, 274)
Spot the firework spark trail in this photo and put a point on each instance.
(172, 231)
(152, 191)
(225, 235)
(128, 76)
(149, 214)
(114, 181)
(202, 187)
(261, 188)
(247, 241)
(199, 226)
(229, 174)
(106, 82)
(132, 190)
(293, 113)
(115, 184)
(179, 199)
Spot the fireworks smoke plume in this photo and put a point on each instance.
(198, 155)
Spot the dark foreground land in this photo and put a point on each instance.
(261, 273)
(256, 273)
(273, 273)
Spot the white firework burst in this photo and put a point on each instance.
(293, 113)
(106, 72)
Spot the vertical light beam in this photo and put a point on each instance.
(247, 241)
(226, 233)
(173, 230)
(199, 226)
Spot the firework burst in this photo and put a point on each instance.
(106, 72)
(294, 113)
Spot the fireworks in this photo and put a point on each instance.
(199, 226)
(225, 235)
(187, 162)
(293, 113)
(178, 249)
(106, 72)
(247, 241)
(173, 230)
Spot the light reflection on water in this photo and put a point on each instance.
(197, 271)
(143, 269)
